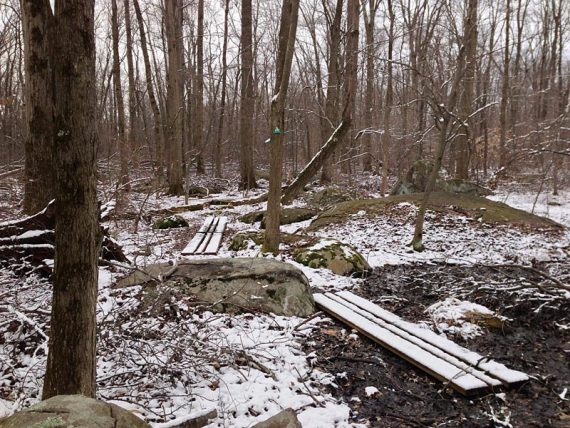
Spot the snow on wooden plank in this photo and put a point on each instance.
(463, 382)
(193, 244)
(207, 224)
(221, 226)
(214, 244)
(492, 382)
(490, 367)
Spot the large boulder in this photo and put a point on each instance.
(243, 240)
(288, 216)
(331, 254)
(233, 284)
(329, 196)
(416, 178)
(77, 411)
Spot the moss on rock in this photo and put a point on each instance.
(170, 222)
(341, 259)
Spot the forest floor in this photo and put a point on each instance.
(179, 361)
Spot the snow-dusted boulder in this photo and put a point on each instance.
(287, 216)
(233, 284)
(340, 258)
(285, 419)
(73, 411)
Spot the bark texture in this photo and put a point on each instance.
(247, 171)
(39, 186)
(71, 357)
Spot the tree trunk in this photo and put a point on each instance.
(219, 138)
(247, 170)
(369, 24)
(39, 186)
(333, 85)
(284, 60)
(199, 123)
(443, 122)
(464, 139)
(505, 92)
(388, 104)
(71, 358)
(133, 135)
(350, 84)
(157, 133)
(174, 108)
(120, 105)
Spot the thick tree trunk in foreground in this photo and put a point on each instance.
(199, 140)
(39, 186)
(247, 171)
(71, 357)
(386, 139)
(287, 36)
(220, 134)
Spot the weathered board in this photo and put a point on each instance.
(208, 238)
(464, 370)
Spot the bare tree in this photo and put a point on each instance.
(119, 103)
(247, 170)
(39, 187)
(71, 357)
(389, 101)
(350, 85)
(284, 60)
(174, 108)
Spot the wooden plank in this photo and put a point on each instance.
(193, 244)
(490, 367)
(221, 226)
(207, 224)
(465, 383)
(214, 244)
(438, 352)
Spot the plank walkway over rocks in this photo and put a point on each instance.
(464, 370)
(208, 238)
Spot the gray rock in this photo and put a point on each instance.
(243, 284)
(287, 216)
(285, 419)
(331, 254)
(76, 411)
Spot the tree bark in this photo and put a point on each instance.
(174, 108)
(71, 358)
(505, 92)
(199, 142)
(463, 140)
(133, 135)
(120, 105)
(369, 25)
(333, 85)
(388, 103)
(247, 170)
(284, 60)
(39, 184)
(157, 124)
(219, 138)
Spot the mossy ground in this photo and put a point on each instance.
(472, 206)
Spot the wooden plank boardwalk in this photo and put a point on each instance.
(464, 370)
(208, 238)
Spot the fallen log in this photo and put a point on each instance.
(28, 244)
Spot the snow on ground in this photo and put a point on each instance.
(168, 364)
